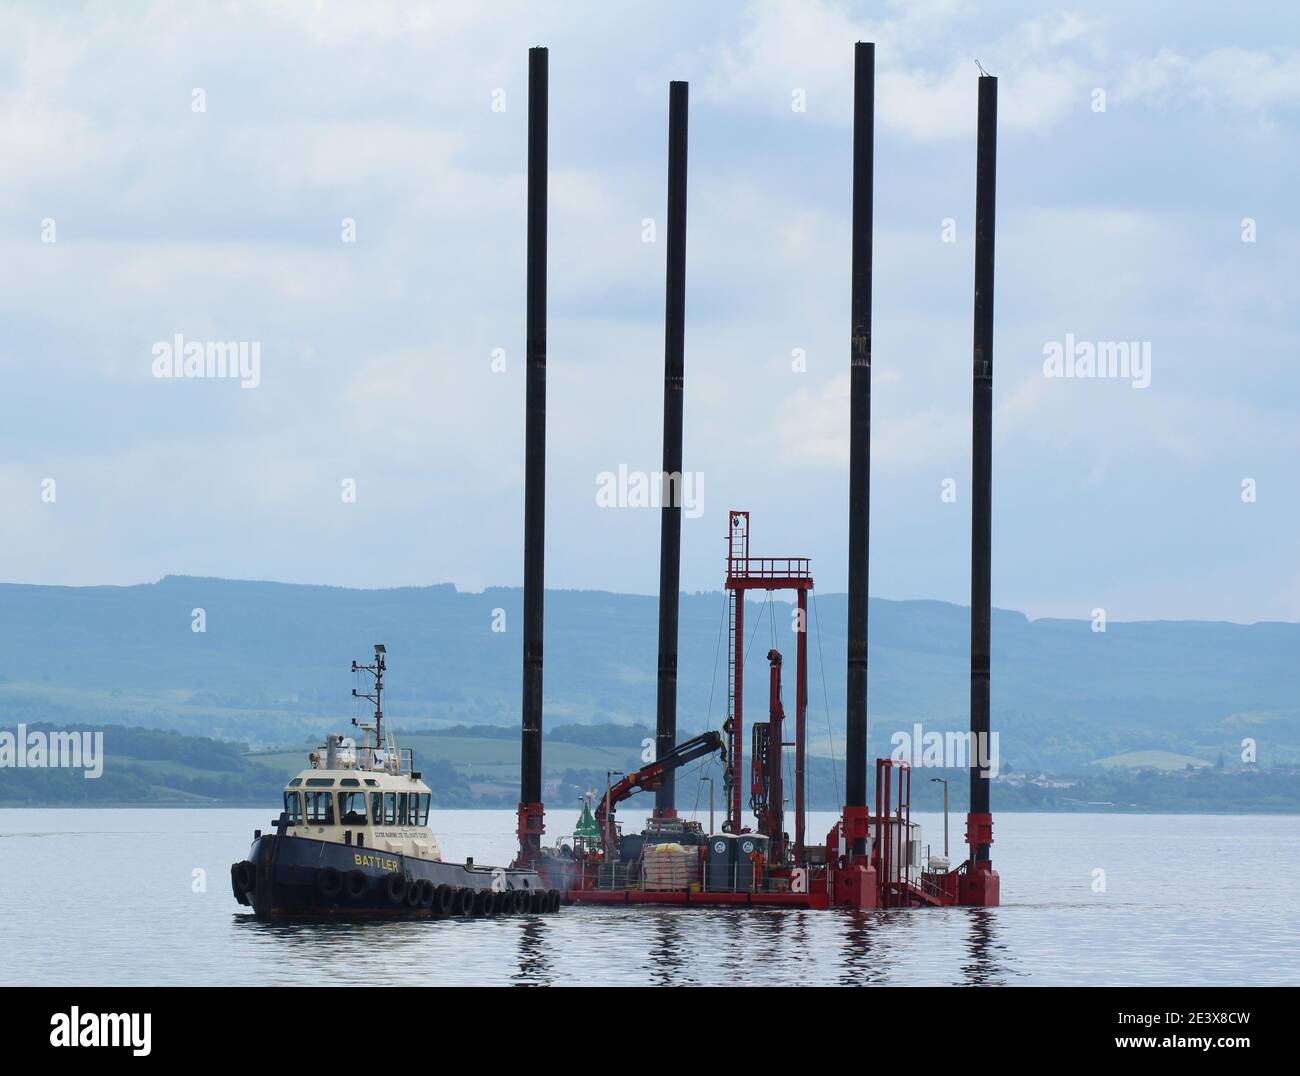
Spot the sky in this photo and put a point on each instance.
(342, 186)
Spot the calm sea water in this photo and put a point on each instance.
(106, 897)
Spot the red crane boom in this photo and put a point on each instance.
(648, 778)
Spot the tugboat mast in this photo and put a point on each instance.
(377, 671)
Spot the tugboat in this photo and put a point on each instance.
(353, 841)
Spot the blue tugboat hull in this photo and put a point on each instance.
(286, 877)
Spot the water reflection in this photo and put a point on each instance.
(329, 933)
(798, 949)
(735, 960)
(535, 967)
(666, 963)
(983, 966)
(861, 964)
(675, 947)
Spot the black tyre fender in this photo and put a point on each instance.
(241, 894)
(427, 893)
(485, 902)
(355, 885)
(462, 902)
(444, 898)
(552, 900)
(329, 882)
(503, 902)
(537, 901)
(520, 902)
(395, 888)
(245, 878)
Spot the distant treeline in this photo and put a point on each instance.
(152, 767)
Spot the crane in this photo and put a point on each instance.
(648, 778)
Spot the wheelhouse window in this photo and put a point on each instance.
(293, 808)
(403, 818)
(320, 808)
(390, 809)
(352, 808)
(419, 808)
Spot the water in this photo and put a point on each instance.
(106, 897)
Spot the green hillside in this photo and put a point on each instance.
(272, 668)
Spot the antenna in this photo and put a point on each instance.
(377, 671)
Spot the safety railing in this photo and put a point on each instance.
(769, 567)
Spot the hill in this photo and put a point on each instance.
(271, 667)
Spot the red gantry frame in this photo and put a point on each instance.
(745, 573)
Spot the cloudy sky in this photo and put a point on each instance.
(185, 168)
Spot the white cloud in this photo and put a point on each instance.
(1233, 78)
(791, 44)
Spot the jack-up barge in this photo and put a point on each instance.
(871, 857)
